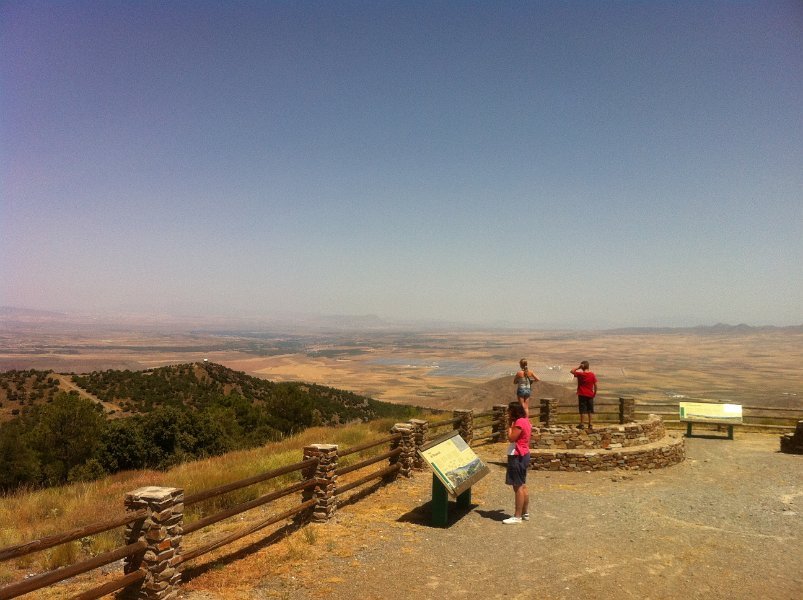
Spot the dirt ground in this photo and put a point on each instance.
(726, 523)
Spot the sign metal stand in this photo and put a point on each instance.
(440, 502)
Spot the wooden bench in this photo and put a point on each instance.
(710, 412)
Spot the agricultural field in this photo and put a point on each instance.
(751, 366)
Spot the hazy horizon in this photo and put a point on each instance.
(310, 322)
(561, 165)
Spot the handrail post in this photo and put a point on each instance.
(407, 444)
(466, 425)
(323, 472)
(419, 438)
(627, 409)
(500, 424)
(549, 411)
(162, 530)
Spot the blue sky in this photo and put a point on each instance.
(553, 164)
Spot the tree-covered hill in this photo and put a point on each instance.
(20, 390)
(172, 414)
(199, 386)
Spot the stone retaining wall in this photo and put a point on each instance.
(567, 437)
(656, 455)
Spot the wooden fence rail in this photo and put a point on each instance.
(444, 422)
(112, 586)
(43, 580)
(236, 485)
(377, 475)
(605, 410)
(368, 461)
(245, 506)
(233, 537)
(483, 421)
(401, 457)
(367, 445)
(44, 543)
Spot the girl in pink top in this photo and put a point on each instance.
(518, 461)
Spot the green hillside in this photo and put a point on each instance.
(171, 414)
(201, 386)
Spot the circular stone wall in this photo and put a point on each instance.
(638, 445)
(567, 437)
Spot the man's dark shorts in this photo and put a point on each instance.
(586, 404)
(517, 469)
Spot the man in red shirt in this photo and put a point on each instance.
(586, 390)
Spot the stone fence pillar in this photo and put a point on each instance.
(549, 411)
(627, 410)
(792, 443)
(162, 530)
(500, 423)
(419, 438)
(326, 482)
(466, 425)
(407, 444)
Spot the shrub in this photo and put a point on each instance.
(91, 470)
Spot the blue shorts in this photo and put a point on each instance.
(517, 469)
(521, 393)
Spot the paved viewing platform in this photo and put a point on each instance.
(725, 523)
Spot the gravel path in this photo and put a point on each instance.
(726, 523)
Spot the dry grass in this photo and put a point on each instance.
(30, 515)
(295, 561)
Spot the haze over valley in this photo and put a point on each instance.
(751, 365)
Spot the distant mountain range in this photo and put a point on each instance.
(28, 314)
(11, 316)
(719, 328)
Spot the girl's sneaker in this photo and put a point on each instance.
(512, 521)
(525, 517)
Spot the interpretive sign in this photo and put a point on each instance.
(453, 462)
(707, 412)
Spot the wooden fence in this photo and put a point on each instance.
(159, 542)
(754, 416)
(156, 532)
